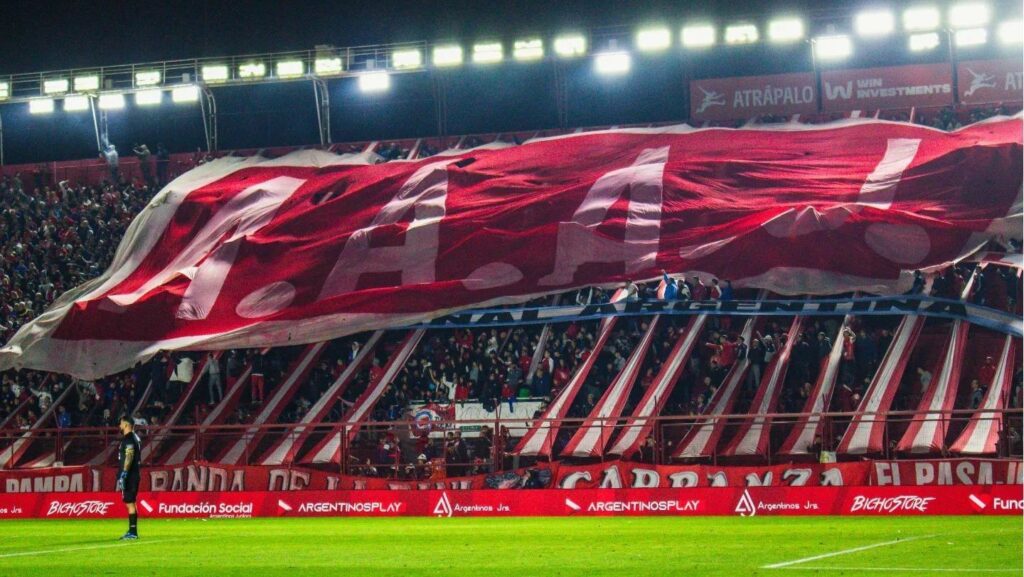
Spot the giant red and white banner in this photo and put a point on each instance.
(889, 87)
(312, 246)
(744, 502)
(750, 96)
(990, 81)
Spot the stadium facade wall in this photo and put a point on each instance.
(212, 478)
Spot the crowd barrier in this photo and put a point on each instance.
(746, 502)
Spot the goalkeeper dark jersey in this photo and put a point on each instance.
(129, 453)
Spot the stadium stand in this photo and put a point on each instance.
(743, 388)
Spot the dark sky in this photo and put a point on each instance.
(43, 35)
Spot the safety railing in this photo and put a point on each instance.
(411, 448)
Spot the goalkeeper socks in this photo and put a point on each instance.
(133, 522)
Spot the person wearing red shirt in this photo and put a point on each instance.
(560, 378)
(987, 372)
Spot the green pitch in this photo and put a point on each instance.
(623, 547)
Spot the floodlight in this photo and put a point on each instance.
(926, 41)
(921, 18)
(86, 84)
(327, 66)
(76, 103)
(5, 90)
(150, 97)
(833, 47)
(488, 53)
(148, 78)
(252, 70)
(786, 30)
(448, 55)
(571, 46)
(1010, 32)
(698, 36)
(874, 23)
(969, 15)
(971, 37)
(612, 62)
(185, 94)
(111, 101)
(374, 81)
(532, 49)
(40, 106)
(653, 39)
(406, 59)
(741, 34)
(215, 73)
(290, 68)
(55, 86)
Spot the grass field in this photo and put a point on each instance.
(850, 546)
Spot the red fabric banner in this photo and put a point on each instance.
(744, 502)
(301, 249)
(889, 87)
(990, 81)
(750, 96)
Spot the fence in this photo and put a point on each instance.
(392, 449)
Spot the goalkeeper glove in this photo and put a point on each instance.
(120, 480)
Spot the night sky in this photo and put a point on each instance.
(42, 35)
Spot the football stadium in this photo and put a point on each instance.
(530, 288)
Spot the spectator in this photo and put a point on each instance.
(213, 380)
(163, 159)
(144, 156)
(258, 370)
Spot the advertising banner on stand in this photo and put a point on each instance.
(750, 96)
(990, 81)
(921, 85)
(730, 501)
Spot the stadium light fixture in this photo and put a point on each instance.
(40, 106)
(55, 86)
(327, 66)
(5, 90)
(488, 53)
(111, 101)
(971, 37)
(653, 39)
(571, 46)
(290, 68)
(183, 94)
(922, 42)
(150, 97)
(611, 63)
(252, 70)
(215, 73)
(89, 83)
(874, 23)
(698, 36)
(148, 78)
(833, 47)
(786, 30)
(1011, 32)
(741, 34)
(447, 55)
(378, 81)
(969, 15)
(76, 103)
(407, 59)
(532, 49)
(920, 18)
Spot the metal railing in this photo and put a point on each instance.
(366, 452)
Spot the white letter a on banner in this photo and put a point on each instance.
(425, 192)
(578, 241)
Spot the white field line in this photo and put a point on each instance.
(845, 552)
(901, 569)
(91, 547)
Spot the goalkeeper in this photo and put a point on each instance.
(128, 454)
